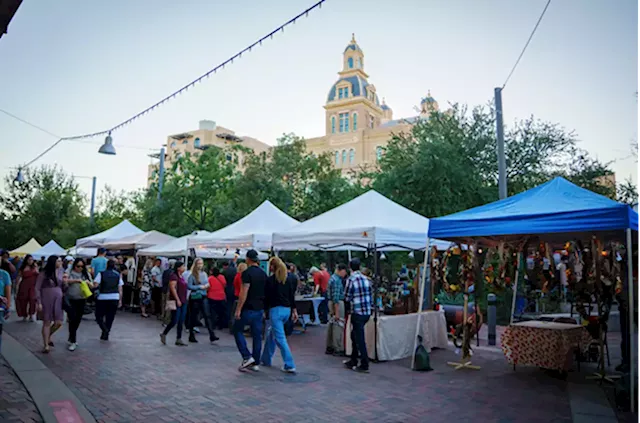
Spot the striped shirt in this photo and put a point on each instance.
(358, 293)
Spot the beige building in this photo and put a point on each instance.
(193, 142)
(357, 124)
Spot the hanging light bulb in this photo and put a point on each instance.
(411, 255)
(382, 256)
(19, 177)
(107, 147)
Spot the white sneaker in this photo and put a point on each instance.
(72, 347)
(246, 364)
(288, 370)
(255, 368)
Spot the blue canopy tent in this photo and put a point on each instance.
(552, 210)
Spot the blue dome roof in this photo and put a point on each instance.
(358, 88)
(384, 107)
(354, 47)
(428, 100)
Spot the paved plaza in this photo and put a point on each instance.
(133, 378)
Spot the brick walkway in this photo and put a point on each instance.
(133, 378)
(15, 403)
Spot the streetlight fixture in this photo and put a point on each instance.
(107, 147)
(19, 177)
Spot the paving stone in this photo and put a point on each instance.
(15, 403)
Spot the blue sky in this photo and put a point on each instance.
(73, 66)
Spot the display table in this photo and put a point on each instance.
(549, 345)
(316, 302)
(396, 334)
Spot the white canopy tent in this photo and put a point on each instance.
(139, 241)
(82, 252)
(179, 247)
(51, 248)
(255, 230)
(370, 219)
(121, 230)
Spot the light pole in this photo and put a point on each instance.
(502, 164)
(93, 197)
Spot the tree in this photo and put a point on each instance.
(115, 206)
(628, 193)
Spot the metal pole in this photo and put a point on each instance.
(491, 318)
(515, 288)
(161, 174)
(502, 165)
(93, 202)
(631, 340)
(420, 301)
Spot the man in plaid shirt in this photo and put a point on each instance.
(358, 294)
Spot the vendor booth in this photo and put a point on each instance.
(121, 230)
(51, 248)
(178, 247)
(138, 241)
(584, 223)
(375, 223)
(28, 248)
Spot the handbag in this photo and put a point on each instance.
(85, 290)
(171, 305)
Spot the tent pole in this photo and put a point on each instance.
(631, 309)
(515, 287)
(420, 301)
(376, 275)
(349, 255)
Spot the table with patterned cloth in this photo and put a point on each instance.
(549, 345)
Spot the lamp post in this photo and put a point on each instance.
(93, 197)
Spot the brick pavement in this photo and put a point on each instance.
(15, 403)
(133, 378)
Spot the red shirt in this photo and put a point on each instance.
(322, 278)
(216, 288)
(237, 284)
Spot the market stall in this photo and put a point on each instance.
(28, 248)
(374, 223)
(554, 213)
(121, 230)
(51, 248)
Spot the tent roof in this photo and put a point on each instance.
(28, 248)
(557, 206)
(82, 252)
(255, 230)
(135, 242)
(179, 248)
(51, 248)
(368, 218)
(122, 229)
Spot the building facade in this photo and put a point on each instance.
(357, 125)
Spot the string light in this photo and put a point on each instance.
(107, 132)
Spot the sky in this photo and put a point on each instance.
(75, 67)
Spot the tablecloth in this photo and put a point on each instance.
(396, 334)
(548, 345)
(316, 302)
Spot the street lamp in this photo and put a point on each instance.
(19, 177)
(107, 147)
(93, 196)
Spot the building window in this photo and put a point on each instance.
(173, 144)
(379, 153)
(371, 121)
(355, 122)
(360, 62)
(185, 141)
(350, 61)
(344, 156)
(229, 157)
(343, 92)
(352, 156)
(333, 124)
(344, 122)
(196, 143)
(178, 156)
(337, 158)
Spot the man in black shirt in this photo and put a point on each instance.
(250, 311)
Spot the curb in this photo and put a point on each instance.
(54, 400)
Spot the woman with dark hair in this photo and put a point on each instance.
(76, 275)
(49, 298)
(176, 304)
(26, 289)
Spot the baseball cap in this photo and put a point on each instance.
(252, 255)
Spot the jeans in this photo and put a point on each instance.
(178, 317)
(358, 344)
(253, 318)
(197, 306)
(105, 313)
(215, 311)
(323, 309)
(74, 317)
(278, 316)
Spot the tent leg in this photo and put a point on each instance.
(630, 283)
(515, 287)
(420, 301)
(375, 300)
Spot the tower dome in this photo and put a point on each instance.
(428, 104)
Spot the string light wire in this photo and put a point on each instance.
(171, 96)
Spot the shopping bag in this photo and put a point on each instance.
(85, 290)
(422, 361)
(171, 305)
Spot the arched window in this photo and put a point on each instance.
(350, 61)
(337, 158)
(173, 144)
(185, 141)
(355, 122)
(196, 143)
(333, 124)
(360, 62)
(352, 156)
(344, 156)
(179, 156)
(378, 153)
(229, 157)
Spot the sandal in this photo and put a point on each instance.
(51, 344)
(45, 350)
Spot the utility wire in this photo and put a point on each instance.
(527, 44)
(221, 66)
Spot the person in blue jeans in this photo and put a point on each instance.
(177, 293)
(250, 312)
(280, 303)
(5, 299)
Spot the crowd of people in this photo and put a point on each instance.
(238, 296)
